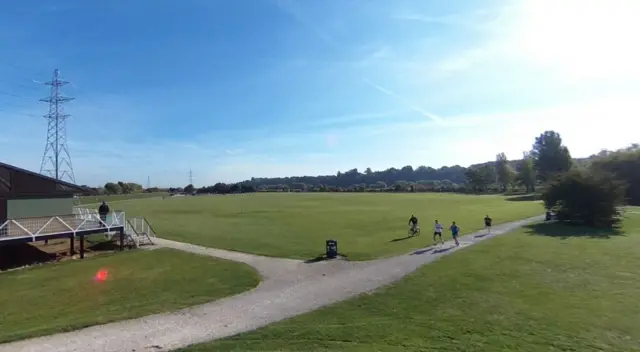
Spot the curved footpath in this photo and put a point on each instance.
(289, 288)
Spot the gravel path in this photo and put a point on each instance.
(289, 288)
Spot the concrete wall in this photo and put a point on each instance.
(29, 208)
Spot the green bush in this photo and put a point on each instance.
(579, 196)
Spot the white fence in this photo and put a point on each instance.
(78, 222)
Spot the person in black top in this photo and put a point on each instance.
(487, 223)
(103, 210)
(413, 221)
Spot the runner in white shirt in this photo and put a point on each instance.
(437, 231)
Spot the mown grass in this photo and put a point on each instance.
(64, 297)
(297, 225)
(119, 197)
(544, 288)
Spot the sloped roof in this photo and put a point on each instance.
(5, 185)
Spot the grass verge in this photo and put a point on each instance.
(366, 226)
(544, 288)
(63, 297)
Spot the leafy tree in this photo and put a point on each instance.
(134, 187)
(550, 157)
(506, 174)
(583, 197)
(246, 188)
(526, 175)
(189, 189)
(112, 188)
(480, 178)
(220, 188)
(124, 189)
(625, 167)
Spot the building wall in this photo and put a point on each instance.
(29, 208)
(3, 210)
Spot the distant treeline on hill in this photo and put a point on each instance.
(406, 179)
(501, 175)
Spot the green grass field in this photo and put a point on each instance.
(297, 225)
(63, 297)
(544, 288)
(119, 197)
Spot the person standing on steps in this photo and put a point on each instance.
(103, 210)
(437, 231)
(487, 223)
(455, 230)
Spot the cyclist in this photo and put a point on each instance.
(413, 222)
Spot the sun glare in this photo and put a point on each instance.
(584, 38)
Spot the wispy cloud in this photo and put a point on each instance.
(404, 101)
(453, 19)
(481, 19)
(292, 8)
(233, 151)
(358, 117)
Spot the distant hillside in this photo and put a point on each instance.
(448, 176)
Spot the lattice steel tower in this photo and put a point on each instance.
(56, 161)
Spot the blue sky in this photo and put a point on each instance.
(238, 88)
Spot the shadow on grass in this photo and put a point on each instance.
(23, 254)
(323, 257)
(442, 250)
(403, 238)
(423, 251)
(565, 231)
(481, 235)
(523, 198)
(103, 246)
(433, 250)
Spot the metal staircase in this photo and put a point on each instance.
(138, 232)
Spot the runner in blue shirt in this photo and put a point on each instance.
(455, 230)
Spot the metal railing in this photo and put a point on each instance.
(73, 223)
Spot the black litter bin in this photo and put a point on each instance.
(332, 249)
(547, 216)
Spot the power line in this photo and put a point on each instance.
(56, 161)
(12, 95)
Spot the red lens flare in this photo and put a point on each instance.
(101, 275)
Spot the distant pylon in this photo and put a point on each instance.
(190, 177)
(56, 161)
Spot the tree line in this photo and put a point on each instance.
(547, 160)
(592, 192)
